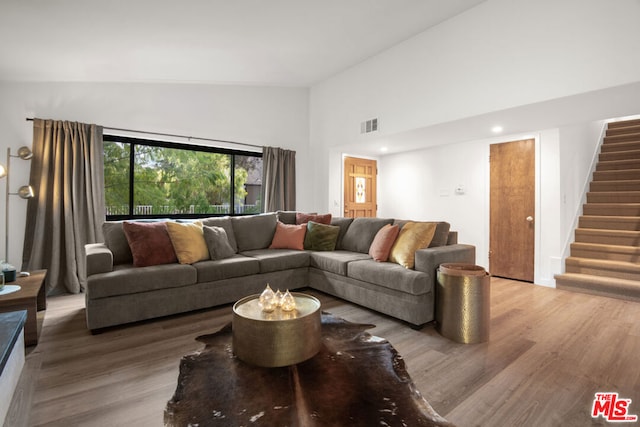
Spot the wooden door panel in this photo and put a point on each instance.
(512, 209)
(360, 180)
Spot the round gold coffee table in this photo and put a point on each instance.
(279, 338)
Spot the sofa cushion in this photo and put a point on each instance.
(334, 261)
(413, 236)
(279, 259)
(126, 279)
(235, 266)
(382, 243)
(150, 243)
(188, 241)
(224, 222)
(288, 236)
(321, 237)
(391, 276)
(255, 231)
(117, 243)
(344, 224)
(441, 235)
(217, 242)
(361, 233)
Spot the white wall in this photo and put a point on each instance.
(422, 185)
(254, 115)
(499, 60)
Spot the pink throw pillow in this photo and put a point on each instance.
(150, 243)
(302, 218)
(383, 241)
(288, 236)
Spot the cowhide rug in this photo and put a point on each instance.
(355, 380)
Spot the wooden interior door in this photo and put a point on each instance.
(512, 210)
(360, 178)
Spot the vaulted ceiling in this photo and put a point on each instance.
(253, 42)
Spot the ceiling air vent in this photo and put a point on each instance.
(369, 126)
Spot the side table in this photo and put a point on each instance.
(30, 297)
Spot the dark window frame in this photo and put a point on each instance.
(179, 146)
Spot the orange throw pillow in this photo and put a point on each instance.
(382, 243)
(289, 236)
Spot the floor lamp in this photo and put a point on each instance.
(24, 192)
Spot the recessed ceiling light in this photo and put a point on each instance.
(383, 149)
(496, 129)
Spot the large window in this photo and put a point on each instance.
(153, 179)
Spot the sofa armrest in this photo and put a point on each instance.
(99, 258)
(428, 260)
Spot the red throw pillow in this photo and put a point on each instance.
(302, 218)
(150, 243)
(289, 236)
(382, 243)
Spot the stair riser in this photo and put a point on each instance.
(594, 271)
(607, 209)
(623, 124)
(611, 223)
(618, 165)
(608, 238)
(622, 130)
(621, 138)
(613, 197)
(628, 185)
(619, 155)
(619, 146)
(616, 175)
(603, 255)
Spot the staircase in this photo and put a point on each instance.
(605, 258)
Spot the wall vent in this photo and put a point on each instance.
(369, 126)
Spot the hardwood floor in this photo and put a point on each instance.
(550, 351)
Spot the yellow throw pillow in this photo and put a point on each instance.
(188, 241)
(413, 236)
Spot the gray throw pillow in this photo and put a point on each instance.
(217, 242)
(116, 241)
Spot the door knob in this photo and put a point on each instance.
(530, 218)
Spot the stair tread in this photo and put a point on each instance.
(606, 247)
(608, 231)
(604, 263)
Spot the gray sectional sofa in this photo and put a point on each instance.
(117, 292)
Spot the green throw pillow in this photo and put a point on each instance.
(321, 237)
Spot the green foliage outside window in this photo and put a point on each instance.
(177, 181)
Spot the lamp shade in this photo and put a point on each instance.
(25, 192)
(25, 153)
(3, 171)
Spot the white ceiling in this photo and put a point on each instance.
(255, 42)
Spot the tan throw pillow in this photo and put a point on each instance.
(188, 241)
(383, 242)
(413, 236)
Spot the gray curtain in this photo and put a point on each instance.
(278, 179)
(67, 174)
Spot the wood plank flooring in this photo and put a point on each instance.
(550, 351)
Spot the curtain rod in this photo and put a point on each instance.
(30, 119)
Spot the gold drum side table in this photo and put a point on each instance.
(279, 338)
(463, 303)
